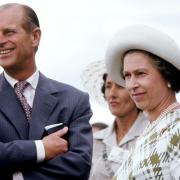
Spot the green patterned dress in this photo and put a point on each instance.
(157, 152)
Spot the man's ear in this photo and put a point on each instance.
(36, 36)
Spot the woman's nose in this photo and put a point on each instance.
(112, 92)
(131, 83)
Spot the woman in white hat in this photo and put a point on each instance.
(147, 61)
(112, 145)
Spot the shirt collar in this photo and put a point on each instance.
(136, 129)
(32, 80)
(108, 134)
(105, 133)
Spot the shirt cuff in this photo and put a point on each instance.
(40, 151)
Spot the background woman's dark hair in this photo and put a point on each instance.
(104, 77)
(168, 71)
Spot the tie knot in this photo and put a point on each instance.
(21, 86)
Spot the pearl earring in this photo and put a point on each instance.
(168, 85)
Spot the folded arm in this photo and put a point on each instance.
(76, 162)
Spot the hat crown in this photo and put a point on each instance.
(143, 38)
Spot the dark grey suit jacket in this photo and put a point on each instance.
(54, 102)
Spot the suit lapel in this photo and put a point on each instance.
(10, 106)
(43, 105)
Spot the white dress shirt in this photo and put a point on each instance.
(29, 94)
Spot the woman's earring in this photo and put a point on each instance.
(168, 85)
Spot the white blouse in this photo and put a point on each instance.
(107, 154)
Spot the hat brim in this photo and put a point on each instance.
(92, 80)
(139, 37)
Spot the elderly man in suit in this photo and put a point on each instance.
(33, 109)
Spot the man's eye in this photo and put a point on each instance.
(9, 33)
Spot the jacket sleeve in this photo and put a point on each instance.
(76, 163)
(13, 155)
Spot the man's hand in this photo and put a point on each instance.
(54, 144)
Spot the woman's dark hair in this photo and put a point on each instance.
(104, 77)
(167, 70)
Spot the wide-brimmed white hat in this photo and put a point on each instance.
(92, 80)
(143, 38)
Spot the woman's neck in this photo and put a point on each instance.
(123, 124)
(167, 105)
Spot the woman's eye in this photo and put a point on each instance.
(107, 86)
(141, 73)
(126, 76)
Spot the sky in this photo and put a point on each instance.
(76, 33)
